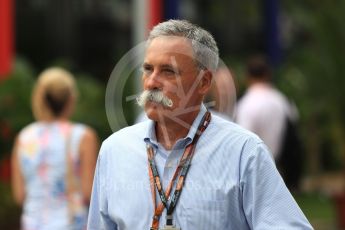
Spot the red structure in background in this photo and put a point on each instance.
(6, 37)
(6, 57)
(155, 13)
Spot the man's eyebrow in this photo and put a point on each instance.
(166, 66)
(170, 66)
(163, 66)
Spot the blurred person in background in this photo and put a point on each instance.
(185, 167)
(53, 159)
(267, 112)
(222, 95)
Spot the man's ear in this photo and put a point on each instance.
(205, 82)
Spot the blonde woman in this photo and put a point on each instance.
(53, 159)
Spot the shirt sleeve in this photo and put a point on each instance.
(267, 203)
(99, 218)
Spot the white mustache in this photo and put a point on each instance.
(154, 96)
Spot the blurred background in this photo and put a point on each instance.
(304, 40)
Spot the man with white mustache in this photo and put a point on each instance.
(186, 168)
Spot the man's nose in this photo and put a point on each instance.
(153, 81)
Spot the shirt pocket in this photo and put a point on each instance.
(206, 214)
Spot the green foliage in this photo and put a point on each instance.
(313, 74)
(9, 212)
(15, 94)
(90, 108)
(15, 111)
(318, 208)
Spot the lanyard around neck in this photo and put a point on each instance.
(181, 170)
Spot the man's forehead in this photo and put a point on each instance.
(171, 44)
(172, 38)
(168, 61)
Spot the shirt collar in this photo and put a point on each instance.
(150, 136)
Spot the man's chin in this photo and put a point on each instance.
(156, 111)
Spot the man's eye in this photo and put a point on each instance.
(146, 69)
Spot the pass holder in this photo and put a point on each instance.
(169, 225)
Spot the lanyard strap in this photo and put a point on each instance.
(182, 169)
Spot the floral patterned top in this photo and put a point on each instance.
(44, 149)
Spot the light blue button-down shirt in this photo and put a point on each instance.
(231, 184)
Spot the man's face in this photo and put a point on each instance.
(169, 66)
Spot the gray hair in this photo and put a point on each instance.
(203, 44)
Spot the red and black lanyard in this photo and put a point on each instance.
(181, 171)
